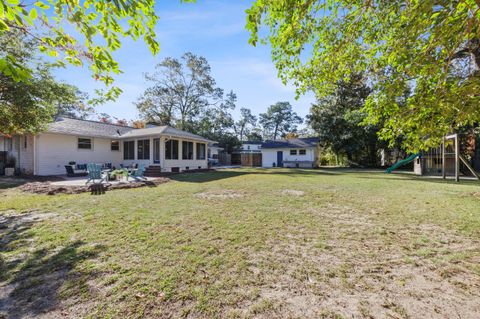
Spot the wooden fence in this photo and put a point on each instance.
(251, 159)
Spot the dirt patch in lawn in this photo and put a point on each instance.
(362, 270)
(292, 192)
(220, 194)
(49, 189)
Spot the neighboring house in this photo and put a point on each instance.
(297, 152)
(250, 147)
(214, 150)
(248, 154)
(162, 147)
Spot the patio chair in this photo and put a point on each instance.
(138, 173)
(94, 173)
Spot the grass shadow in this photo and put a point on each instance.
(210, 176)
(411, 177)
(32, 283)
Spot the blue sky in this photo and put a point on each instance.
(213, 29)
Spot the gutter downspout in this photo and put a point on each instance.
(34, 155)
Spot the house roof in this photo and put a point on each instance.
(252, 142)
(71, 126)
(292, 143)
(163, 130)
(99, 129)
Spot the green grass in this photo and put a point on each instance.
(245, 243)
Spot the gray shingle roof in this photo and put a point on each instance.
(98, 129)
(87, 128)
(292, 143)
(163, 130)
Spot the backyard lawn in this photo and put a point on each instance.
(246, 243)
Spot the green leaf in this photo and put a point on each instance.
(3, 26)
(33, 14)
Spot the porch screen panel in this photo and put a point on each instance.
(201, 151)
(143, 149)
(171, 150)
(129, 150)
(187, 150)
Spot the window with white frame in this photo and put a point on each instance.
(129, 150)
(302, 152)
(201, 151)
(171, 150)
(143, 149)
(115, 146)
(293, 152)
(84, 143)
(187, 150)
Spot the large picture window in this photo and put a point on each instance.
(85, 143)
(143, 149)
(129, 150)
(187, 150)
(201, 150)
(171, 150)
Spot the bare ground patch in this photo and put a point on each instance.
(361, 269)
(220, 194)
(49, 189)
(292, 192)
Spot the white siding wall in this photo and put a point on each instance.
(251, 147)
(269, 156)
(183, 164)
(26, 154)
(54, 151)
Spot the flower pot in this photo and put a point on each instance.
(9, 171)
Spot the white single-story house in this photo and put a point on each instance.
(297, 152)
(82, 141)
(250, 147)
(214, 150)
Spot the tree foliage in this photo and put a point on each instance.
(337, 119)
(26, 106)
(279, 120)
(246, 122)
(430, 49)
(79, 32)
(182, 91)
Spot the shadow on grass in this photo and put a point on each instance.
(33, 283)
(410, 177)
(204, 177)
(11, 182)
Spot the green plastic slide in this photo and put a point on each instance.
(402, 162)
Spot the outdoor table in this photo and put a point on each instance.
(107, 174)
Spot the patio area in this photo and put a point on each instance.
(81, 181)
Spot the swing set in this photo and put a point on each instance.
(444, 161)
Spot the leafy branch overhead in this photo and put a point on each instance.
(79, 32)
(421, 58)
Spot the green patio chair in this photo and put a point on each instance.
(138, 173)
(94, 173)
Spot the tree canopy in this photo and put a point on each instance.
(246, 122)
(182, 92)
(27, 105)
(279, 119)
(337, 119)
(79, 32)
(422, 58)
